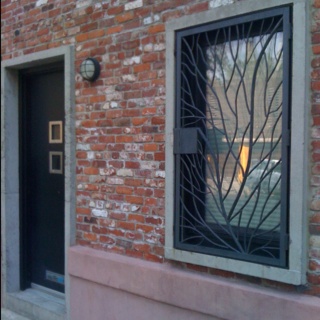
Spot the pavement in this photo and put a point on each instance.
(9, 315)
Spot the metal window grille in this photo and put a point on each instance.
(232, 137)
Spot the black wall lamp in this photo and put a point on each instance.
(90, 69)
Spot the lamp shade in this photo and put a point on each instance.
(90, 69)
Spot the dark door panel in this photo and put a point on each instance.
(42, 188)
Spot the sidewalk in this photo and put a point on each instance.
(9, 315)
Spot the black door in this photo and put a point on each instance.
(42, 177)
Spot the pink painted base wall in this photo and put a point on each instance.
(107, 286)
(97, 302)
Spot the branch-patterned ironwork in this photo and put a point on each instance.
(231, 89)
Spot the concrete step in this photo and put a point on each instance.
(9, 315)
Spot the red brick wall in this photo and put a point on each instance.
(120, 118)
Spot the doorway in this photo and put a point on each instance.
(42, 178)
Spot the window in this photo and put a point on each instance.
(232, 114)
(228, 189)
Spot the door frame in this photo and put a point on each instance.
(10, 211)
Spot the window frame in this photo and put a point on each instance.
(296, 271)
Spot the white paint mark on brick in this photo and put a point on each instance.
(315, 241)
(160, 174)
(106, 106)
(133, 5)
(132, 60)
(135, 208)
(131, 147)
(159, 47)
(83, 3)
(108, 89)
(151, 183)
(107, 172)
(100, 213)
(114, 96)
(79, 48)
(83, 147)
(41, 2)
(115, 181)
(147, 20)
(114, 104)
(80, 186)
(105, 58)
(143, 138)
(123, 155)
(125, 173)
(100, 204)
(149, 165)
(150, 238)
(90, 155)
(97, 6)
(218, 3)
(125, 207)
(92, 204)
(148, 47)
(156, 18)
(129, 78)
(108, 205)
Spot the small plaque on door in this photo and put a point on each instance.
(55, 162)
(55, 131)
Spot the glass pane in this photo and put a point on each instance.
(56, 161)
(243, 122)
(55, 131)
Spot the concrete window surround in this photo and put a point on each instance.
(32, 302)
(296, 272)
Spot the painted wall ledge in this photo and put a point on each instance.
(188, 290)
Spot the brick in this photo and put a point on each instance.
(313, 278)
(136, 217)
(115, 10)
(126, 225)
(153, 257)
(144, 228)
(91, 171)
(142, 247)
(85, 211)
(124, 139)
(149, 147)
(154, 220)
(98, 147)
(106, 239)
(134, 199)
(90, 236)
(81, 37)
(316, 49)
(156, 28)
(114, 29)
(124, 17)
(198, 8)
(124, 190)
(314, 265)
(315, 85)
